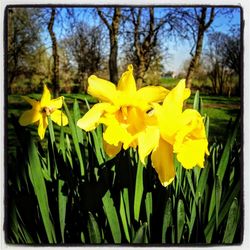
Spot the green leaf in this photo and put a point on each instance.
(124, 218)
(227, 150)
(218, 190)
(125, 196)
(226, 204)
(141, 234)
(138, 190)
(196, 104)
(77, 116)
(223, 163)
(93, 230)
(62, 147)
(62, 203)
(167, 219)
(192, 219)
(232, 223)
(112, 217)
(207, 122)
(202, 183)
(190, 182)
(18, 228)
(180, 219)
(149, 208)
(37, 180)
(73, 130)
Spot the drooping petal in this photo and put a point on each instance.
(162, 161)
(111, 150)
(147, 141)
(45, 99)
(59, 118)
(152, 93)
(35, 104)
(91, 119)
(56, 103)
(102, 89)
(43, 123)
(192, 153)
(29, 117)
(127, 82)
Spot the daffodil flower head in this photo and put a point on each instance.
(41, 110)
(122, 109)
(181, 132)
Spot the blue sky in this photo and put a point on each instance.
(181, 52)
(178, 52)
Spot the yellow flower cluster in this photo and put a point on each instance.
(134, 118)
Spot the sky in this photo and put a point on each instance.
(178, 52)
(181, 52)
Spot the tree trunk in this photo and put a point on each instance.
(55, 69)
(195, 60)
(203, 26)
(113, 37)
(140, 73)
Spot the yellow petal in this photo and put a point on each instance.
(176, 96)
(111, 150)
(127, 82)
(45, 99)
(191, 128)
(115, 134)
(35, 104)
(168, 121)
(43, 123)
(163, 162)
(29, 117)
(59, 118)
(192, 153)
(102, 89)
(91, 119)
(56, 103)
(147, 140)
(152, 93)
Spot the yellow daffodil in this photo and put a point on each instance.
(40, 111)
(182, 133)
(123, 110)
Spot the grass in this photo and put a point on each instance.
(127, 203)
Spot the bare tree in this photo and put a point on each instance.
(55, 69)
(203, 25)
(147, 26)
(83, 46)
(112, 23)
(220, 71)
(23, 41)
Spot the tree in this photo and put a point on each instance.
(23, 41)
(55, 69)
(223, 50)
(84, 48)
(202, 25)
(147, 27)
(112, 23)
(230, 49)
